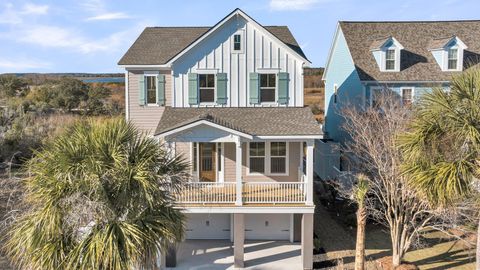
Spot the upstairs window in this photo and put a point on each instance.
(151, 83)
(267, 87)
(390, 59)
(407, 96)
(206, 87)
(452, 58)
(237, 42)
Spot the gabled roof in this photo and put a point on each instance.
(417, 62)
(441, 43)
(159, 45)
(259, 121)
(380, 43)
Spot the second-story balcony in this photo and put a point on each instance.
(250, 193)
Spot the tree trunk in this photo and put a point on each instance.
(396, 257)
(360, 245)
(478, 246)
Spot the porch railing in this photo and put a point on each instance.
(274, 192)
(252, 193)
(204, 192)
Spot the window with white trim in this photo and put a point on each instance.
(390, 59)
(206, 87)
(407, 96)
(151, 84)
(452, 58)
(268, 87)
(278, 157)
(237, 42)
(257, 157)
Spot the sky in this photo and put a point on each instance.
(92, 35)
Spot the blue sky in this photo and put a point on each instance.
(92, 35)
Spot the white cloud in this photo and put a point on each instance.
(35, 9)
(109, 16)
(10, 65)
(9, 15)
(293, 4)
(58, 37)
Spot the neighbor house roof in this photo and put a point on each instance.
(417, 62)
(157, 45)
(259, 121)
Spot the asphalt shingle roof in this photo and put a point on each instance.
(259, 121)
(157, 45)
(417, 62)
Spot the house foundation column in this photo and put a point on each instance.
(307, 241)
(238, 171)
(309, 172)
(238, 240)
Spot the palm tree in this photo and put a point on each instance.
(442, 148)
(359, 193)
(100, 197)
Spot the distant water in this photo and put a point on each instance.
(103, 80)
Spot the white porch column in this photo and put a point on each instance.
(307, 241)
(309, 172)
(238, 170)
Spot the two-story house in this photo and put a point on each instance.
(229, 98)
(409, 58)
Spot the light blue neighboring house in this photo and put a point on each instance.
(410, 58)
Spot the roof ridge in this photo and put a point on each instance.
(199, 26)
(410, 21)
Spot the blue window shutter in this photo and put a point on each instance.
(254, 88)
(283, 88)
(222, 88)
(192, 88)
(142, 89)
(161, 89)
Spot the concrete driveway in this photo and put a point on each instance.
(218, 254)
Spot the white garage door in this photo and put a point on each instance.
(267, 226)
(208, 226)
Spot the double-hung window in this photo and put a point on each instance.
(407, 96)
(390, 59)
(151, 83)
(257, 157)
(206, 87)
(237, 42)
(452, 58)
(267, 87)
(278, 157)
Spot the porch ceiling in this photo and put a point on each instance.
(254, 121)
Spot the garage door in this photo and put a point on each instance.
(267, 226)
(208, 226)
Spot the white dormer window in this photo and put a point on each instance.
(390, 59)
(452, 59)
(448, 53)
(386, 52)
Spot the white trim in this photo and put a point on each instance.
(292, 227)
(240, 32)
(248, 209)
(127, 108)
(330, 52)
(151, 74)
(222, 22)
(267, 160)
(208, 103)
(208, 123)
(160, 67)
(407, 87)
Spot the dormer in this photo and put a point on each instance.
(386, 52)
(448, 52)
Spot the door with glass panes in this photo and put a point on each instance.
(207, 162)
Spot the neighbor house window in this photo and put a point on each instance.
(237, 42)
(407, 96)
(452, 58)
(207, 87)
(267, 87)
(335, 93)
(151, 89)
(390, 60)
(278, 157)
(257, 157)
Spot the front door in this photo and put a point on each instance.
(207, 162)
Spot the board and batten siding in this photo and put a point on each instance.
(146, 117)
(261, 53)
